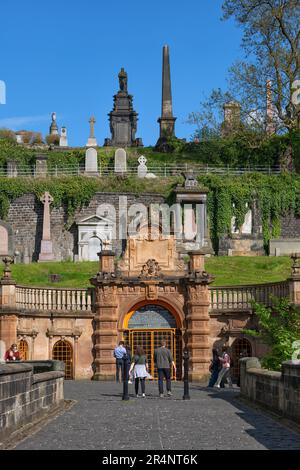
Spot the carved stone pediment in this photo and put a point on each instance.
(151, 269)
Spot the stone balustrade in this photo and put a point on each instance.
(30, 298)
(238, 298)
(232, 298)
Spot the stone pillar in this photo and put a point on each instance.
(41, 168)
(106, 261)
(106, 331)
(196, 261)
(106, 318)
(198, 328)
(12, 169)
(8, 314)
(46, 253)
(294, 281)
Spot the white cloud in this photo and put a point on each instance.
(17, 122)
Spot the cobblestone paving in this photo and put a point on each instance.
(212, 419)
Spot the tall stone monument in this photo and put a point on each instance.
(46, 253)
(167, 120)
(53, 127)
(63, 141)
(123, 119)
(92, 142)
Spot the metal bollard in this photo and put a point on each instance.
(186, 358)
(125, 378)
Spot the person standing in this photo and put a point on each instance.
(128, 350)
(164, 360)
(119, 354)
(12, 354)
(224, 373)
(214, 368)
(139, 366)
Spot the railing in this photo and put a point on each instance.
(234, 298)
(159, 171)
(241, 297)
(28, 298)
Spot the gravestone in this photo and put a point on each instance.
(63, 141)
(120, 161)
(91, 162)
(12, 169)
(41, 166)
(142, 169)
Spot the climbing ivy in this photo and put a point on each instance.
(275, 196)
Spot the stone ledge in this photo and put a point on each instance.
(265, 373)
(15, 368)
(47, 376)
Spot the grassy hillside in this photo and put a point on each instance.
(227, 270)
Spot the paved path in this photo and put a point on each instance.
(212, 419)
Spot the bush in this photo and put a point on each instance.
(37, 138)
(52, 139)
(8, 135)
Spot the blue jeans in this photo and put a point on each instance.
(119, 366)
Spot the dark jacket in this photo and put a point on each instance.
(163, 358)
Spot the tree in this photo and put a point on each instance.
(279, 328)
(271, 36)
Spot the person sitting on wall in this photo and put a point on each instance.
(12, 354)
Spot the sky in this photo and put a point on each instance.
(64, 56)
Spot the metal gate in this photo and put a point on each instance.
(150, 340)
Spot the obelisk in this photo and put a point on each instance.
(167, 120)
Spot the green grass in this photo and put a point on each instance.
(248, 270)
(227, 270)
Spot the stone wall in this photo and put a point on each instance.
(25, 397)
(26, 219)
(277, 391)
(25, 222)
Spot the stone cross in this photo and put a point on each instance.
(92, 142)
(46, 253)
(92, 122)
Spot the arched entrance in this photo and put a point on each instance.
(63, 351)
(146, 326)
(240, 348)
(23, 350)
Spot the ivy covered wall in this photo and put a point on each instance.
(273, 198)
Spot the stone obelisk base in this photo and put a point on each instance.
(46, 253)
